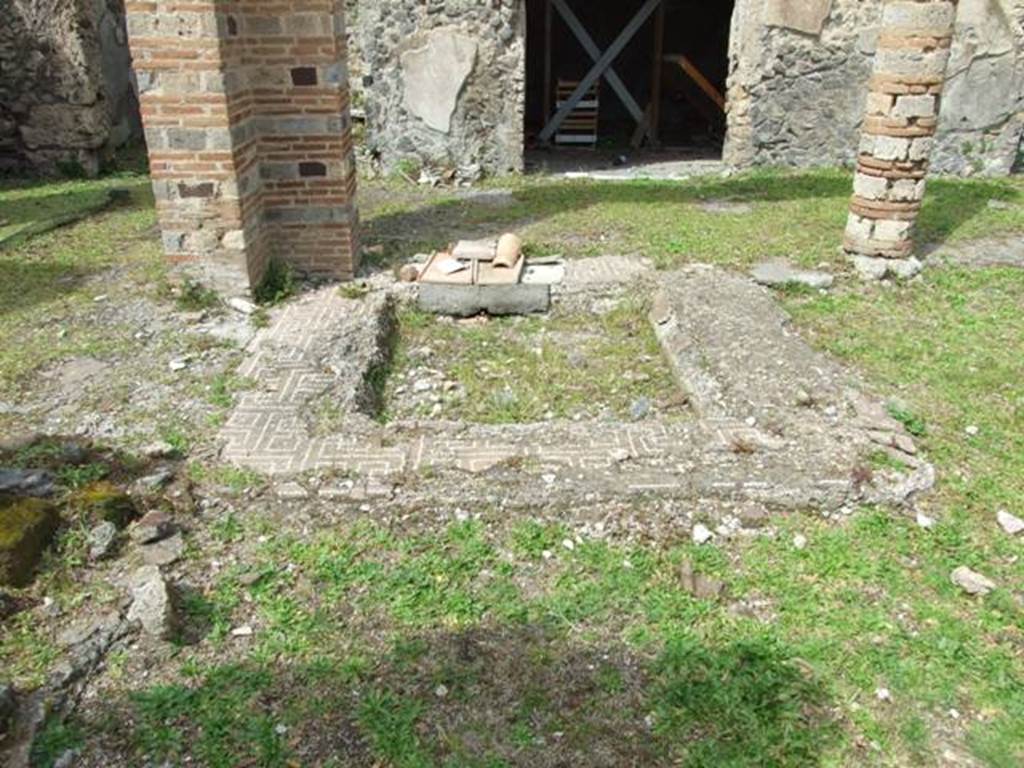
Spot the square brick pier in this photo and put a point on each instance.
(246, 110)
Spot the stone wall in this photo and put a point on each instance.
(799, 73)
(246, 110)
(444, 83)
(66, 93)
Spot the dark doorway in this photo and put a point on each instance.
(687, 113)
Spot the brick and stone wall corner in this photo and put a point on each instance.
(246, 110)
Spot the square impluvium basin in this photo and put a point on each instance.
(569, 364)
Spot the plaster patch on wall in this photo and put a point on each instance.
(806, 16)
(435, 74)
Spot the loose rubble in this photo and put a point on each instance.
(779, 274)
(702, 534)
(165, 551)
(1011, 524)
(153, 603)
(972, 582)
(152, 527)
(102, 540)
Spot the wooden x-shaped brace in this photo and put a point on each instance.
(602, 64)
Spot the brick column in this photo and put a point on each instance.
(245, 104)
(896, 140)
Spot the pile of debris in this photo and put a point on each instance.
(483, 276)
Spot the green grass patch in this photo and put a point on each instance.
(55, 275)
(794, 215)
(508, 370)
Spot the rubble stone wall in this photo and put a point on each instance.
(444, 82)
(66, 92)
(799, 76)
(798, 82)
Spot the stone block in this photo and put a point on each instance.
(891, 148)
(914, 106)
(262, 25)
(886, 229)
(218, 139)
(310, 215)
(920, 148)
(191, 139)
(308, 25)
(923, 16)
(859, 227)
(907, 189)
(870, 187)
(910, 62)
(807, 16)
(879, 103)
(471, 300)
(153, 603)
(180, 25)
(26, 528)
(233, 240)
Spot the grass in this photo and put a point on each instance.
(50, 282)
(277, 285)
(491, 643)
(601, 645)
(508, 370)
(796, 215)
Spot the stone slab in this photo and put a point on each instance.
(471, 300)
(807, 16)
(781, 273)
(435, 75)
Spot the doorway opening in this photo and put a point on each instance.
(669, 98)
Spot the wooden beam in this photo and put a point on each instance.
(548, 92)
(698, 77)
(643, 128)
(654, 108)
(577, 28)
(600, 67)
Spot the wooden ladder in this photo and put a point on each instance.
(580, 127)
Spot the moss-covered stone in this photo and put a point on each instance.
(26, 528)
(103, 501)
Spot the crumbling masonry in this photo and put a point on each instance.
(66, 96)
(245, 106)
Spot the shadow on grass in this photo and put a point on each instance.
(949, 205)
(34, 283)
(31, 207)
(30, 275)
(523, 696)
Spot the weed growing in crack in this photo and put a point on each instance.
(354, 291)
(277, 285)
(913, 423)
(193, 296)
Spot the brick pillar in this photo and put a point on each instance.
(245, 104)
(896, 140)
